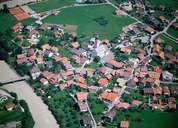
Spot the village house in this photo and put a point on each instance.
(119, 12)
(149, 30)
(166, 91)
(21, 58)
(81, 96)
(136, 103)
(124, 124)
(35, 72)
(79, 60)
(122, 105)
(80, 79)
(174, 90)
(152, 91)
(44, 81)
(172, 104)
(67, 74)
(109, 116)
(87, 121)
(114, 64)
(75, 44)
(175, 25)
(167, 76)
(83, 106)
(108, 96)
(17, 27)
(103, 82)
(10, 106)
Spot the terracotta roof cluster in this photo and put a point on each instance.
(157, 50)
(115, 64)
(122, 105)
(153, 91)
(108, 96)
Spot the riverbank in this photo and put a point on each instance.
(42, 116)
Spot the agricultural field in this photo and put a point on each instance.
(50, 4)
(170, 42)
(147, 119)
(167, 3)
(92, 20)
(173, 32)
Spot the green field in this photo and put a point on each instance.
(50, 4)
(85, 18)
(170, 42)
(173, 32)
(167, 3)
(7, 21)
(147, 119)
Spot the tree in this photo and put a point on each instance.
(5, 8)
(97, 59)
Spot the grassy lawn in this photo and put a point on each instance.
(96, 106)
(167, 3)
(93, 65)
(147, 119)
(50, 4)
(92, 20)
(65, 53)
(170, 42)
(173, 32)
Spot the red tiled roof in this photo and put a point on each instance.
(103, 82)
(123, 105)
(109, 96)
(17, 27)
(115, 63)
(124, 124)
(81, 96)
(80, 79)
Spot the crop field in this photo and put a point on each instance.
(92, 20)
(50, 4)
(147, 119)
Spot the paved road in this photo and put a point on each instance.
(40, 113)
(158, 33)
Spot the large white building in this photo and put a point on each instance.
(13, 3)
